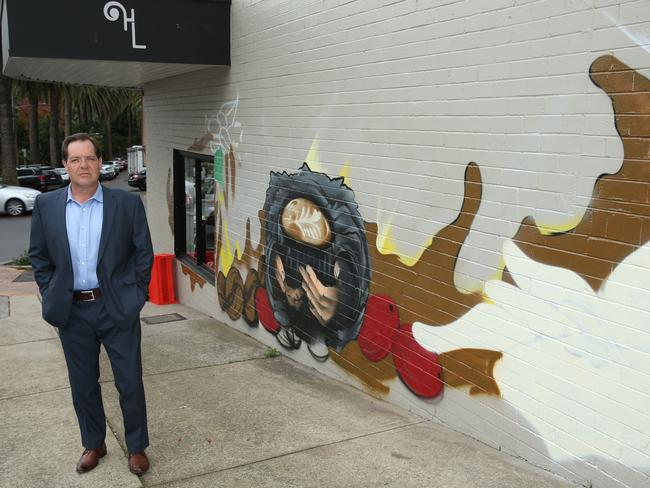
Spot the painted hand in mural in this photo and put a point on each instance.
(322, 299)
(294, 295)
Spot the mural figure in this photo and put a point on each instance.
(309, 280)
(318, 266)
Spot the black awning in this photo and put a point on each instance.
(139, 40)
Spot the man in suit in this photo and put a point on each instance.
(91, 253)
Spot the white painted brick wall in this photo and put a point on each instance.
(405, 93)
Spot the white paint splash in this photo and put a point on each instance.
(576, 363)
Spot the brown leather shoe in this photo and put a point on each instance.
(90, 458)
(138, 463)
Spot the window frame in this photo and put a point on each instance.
(178, 191)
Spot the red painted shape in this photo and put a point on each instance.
(379, 327)
(418, 367)
(265, 312)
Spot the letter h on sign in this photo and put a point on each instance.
(112, 12)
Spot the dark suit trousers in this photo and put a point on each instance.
(88, 327)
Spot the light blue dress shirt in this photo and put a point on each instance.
(84, 227)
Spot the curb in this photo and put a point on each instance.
(4, 307)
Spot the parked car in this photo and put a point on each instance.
(41, 178)
(16, 200)
(208, 200)
(107, 172)
(117, 165)
(138, 179)
(63, 173)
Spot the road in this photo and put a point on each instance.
(14, 231)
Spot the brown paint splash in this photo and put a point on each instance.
(201, 143)
(352, 360)
(470, 367)
(195, 278)
(236, 297)
(425, 292)
(506, 277)
(430, 297)
(251, 255)
(618, 219)
(232, 297)
(231, 163)
(250, 286)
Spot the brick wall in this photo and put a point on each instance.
(483, 256)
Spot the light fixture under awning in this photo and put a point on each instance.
(114, 43)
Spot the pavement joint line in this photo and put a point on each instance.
(29, 342)
(291, 453)
(24, 395)
(193, 368)
(125, 451)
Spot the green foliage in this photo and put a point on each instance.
(91, 105)
(22, 260)
(271, 352)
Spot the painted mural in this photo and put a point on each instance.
(567, 306)
(315, 281)
(318, 266)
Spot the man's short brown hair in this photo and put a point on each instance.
(79, 136)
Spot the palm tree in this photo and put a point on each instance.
(55, 117)
(67, 113)
(34, 151)
(84, 105)
(106, 104)
(7, 135)
(33, 91)
(132, 114)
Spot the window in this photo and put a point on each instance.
(194, 211)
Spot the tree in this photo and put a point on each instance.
(7, 135)
(32, 91)
(131, 116)
(67, 113)
(101, 111)
(34, 150)
(55, 116)
(107, 105)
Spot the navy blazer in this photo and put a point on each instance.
(123, 263)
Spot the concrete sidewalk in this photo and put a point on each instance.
(223, 414)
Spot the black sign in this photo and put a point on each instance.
(159, 31)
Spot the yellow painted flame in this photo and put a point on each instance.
(498, 274)
(560, 228)
(386, 244)
(345, 173)
(312, 158)
(227, 257)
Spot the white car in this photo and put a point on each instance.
(117, 165)
(16, 200)
(107, 172)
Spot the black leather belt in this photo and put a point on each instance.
(86, 295)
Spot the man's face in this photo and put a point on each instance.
(83, 164)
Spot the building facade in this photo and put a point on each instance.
(443, 203)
